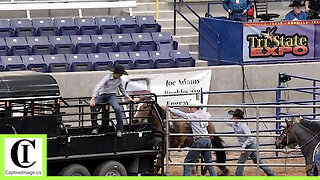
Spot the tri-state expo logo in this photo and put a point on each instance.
(23, 157)
(271, 44)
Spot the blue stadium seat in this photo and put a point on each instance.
(78, 62)
(100, 61)
(62, 44)
(66, 26)
(5, 28)
(56, 63)
(127, 24)
(13, 63)
(182, 58)
(144, 42)
(124, 42)
(121, 58)
(87, 26)
(34, 63)
(148, 24)
(40, 45)
(162, 59)
(2, 68)
(141, 60)
(18, 46)
(45, 27)
(107, 25)
(4, 49)
(23, 27)
(83, 44)
(164, 41)
(104, 43)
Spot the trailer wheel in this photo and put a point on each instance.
(110, 168)
(74, 170)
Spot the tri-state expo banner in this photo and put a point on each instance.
(170, 84)
(281, 41)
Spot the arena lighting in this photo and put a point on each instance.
(284, 78)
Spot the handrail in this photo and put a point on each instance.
(218, 48)
(12, 6)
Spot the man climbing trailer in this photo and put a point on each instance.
(30, 103)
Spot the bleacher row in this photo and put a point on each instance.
(77, 26)
(97, 61)
(82, 44)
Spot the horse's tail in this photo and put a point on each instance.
(221, 157)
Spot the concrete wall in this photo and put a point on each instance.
(75, 84)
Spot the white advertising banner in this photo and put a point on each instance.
(169, 84)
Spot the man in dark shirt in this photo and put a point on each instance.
(313, 9)
(237, 9)
(296, 14)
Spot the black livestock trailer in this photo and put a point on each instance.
(30, 103)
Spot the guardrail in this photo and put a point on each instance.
(64, 5)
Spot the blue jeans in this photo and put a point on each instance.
(112, 99)
(238, 16)
(192, 156)
(317, 159)
(253, 155)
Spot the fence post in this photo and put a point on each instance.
(257, 140)
(167, 140)
(174, 17)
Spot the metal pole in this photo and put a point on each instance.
(175, 17)
(314, 98)
(28, 14)
(80, 13)
(157, 9)
(167, 140)
(257, 140)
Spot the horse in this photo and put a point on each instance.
(297, 134)
(158, 114)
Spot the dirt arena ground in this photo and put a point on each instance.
(248, 171)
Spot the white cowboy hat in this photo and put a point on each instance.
(195, 103)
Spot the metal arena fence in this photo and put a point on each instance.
(258, 135)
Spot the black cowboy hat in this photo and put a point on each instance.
(119, 69)
(296, 3)
(236, 112)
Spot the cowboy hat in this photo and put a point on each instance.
(296, 3)
(195, 103)
(119, 69)
(236, 112)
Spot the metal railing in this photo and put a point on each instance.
(216, 47)
(257, 135)
(64, 5)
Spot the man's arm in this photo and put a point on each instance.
(123, 91)
(249, 140)
(307, 3)
(225, 5)
(97, 88)
(250, 2)
(181, 114)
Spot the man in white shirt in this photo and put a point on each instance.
(246, 142)
(199, 128)
(105, 91)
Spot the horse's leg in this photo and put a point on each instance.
(158, 164)
(220, 155)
